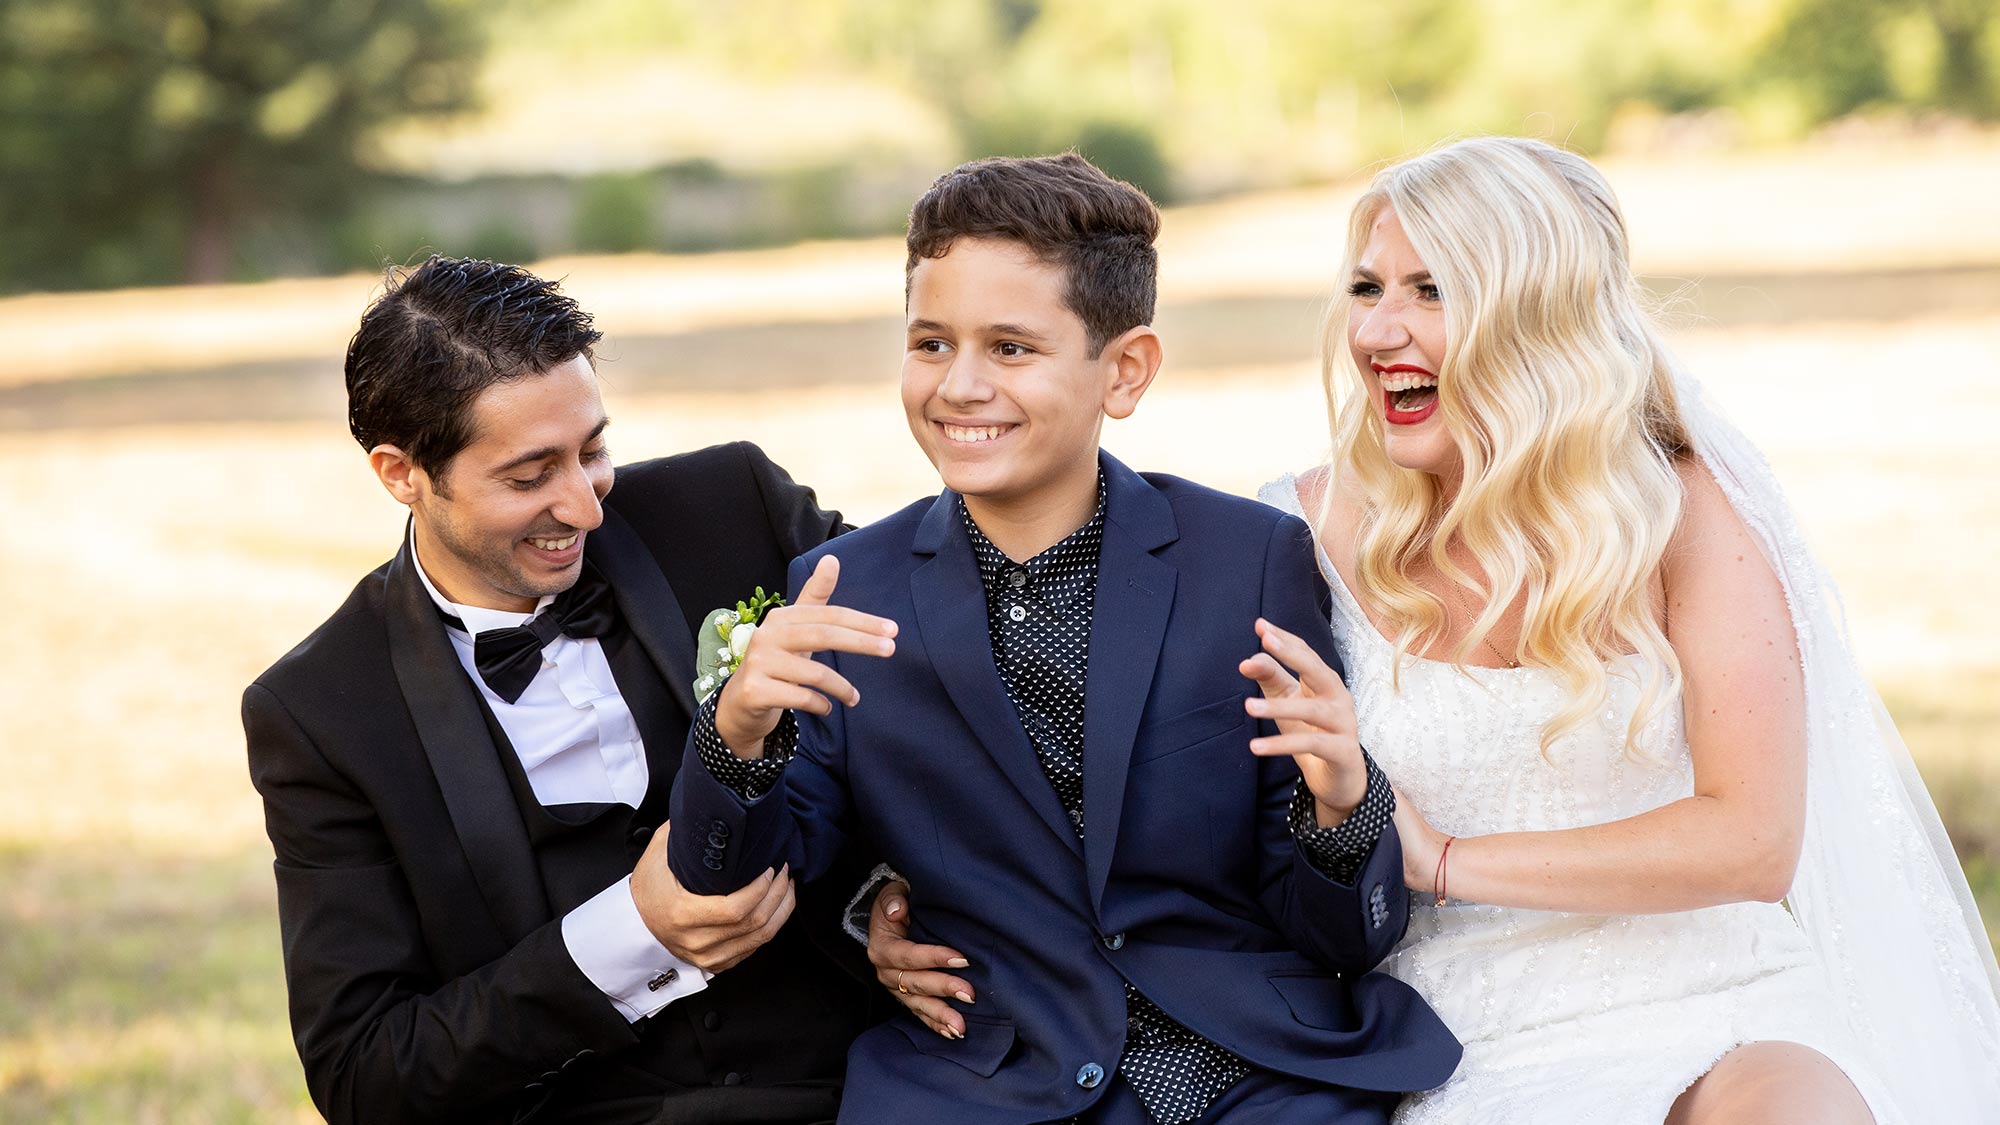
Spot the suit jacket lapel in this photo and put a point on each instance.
(452, 728)
(951, 618)
(1135, 597)
(651, 610)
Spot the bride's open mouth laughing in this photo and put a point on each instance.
(1409, 393)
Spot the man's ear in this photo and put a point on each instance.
(1135, 358)
(399, 475)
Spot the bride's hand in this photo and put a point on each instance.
(1315, 719)
(1422, 845)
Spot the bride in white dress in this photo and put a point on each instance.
(1672, 862)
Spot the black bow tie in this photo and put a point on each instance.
(509, 659)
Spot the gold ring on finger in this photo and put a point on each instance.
(900, 986)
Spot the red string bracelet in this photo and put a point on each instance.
(1438, 877)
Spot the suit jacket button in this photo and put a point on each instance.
(711, 1020)
(718, 828)
(640, 836)
(712, 863)
(535, 1087)
(662, 980)
(734, 1079)
(551, 1076)
(1113, 942)
(1090, 1076)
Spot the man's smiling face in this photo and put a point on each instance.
(504, 523)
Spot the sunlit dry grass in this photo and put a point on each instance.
(1826, 207)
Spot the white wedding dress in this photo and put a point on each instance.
(1568, 1017)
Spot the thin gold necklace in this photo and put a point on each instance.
(1472, 620)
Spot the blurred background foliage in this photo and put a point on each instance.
(147, 141)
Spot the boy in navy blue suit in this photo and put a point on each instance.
(1030, 694)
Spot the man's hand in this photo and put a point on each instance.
(909, 970)
(1315, 718)
(711, 932)
(778, 672)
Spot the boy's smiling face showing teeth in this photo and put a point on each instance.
(999, 385)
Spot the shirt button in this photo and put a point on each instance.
(1018, 613)
(1090, 1076)
(1017, 578)
(662, 980)
(1113, 942)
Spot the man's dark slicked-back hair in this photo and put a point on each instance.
(1069, 214)
(438, 336)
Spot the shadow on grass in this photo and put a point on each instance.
(142, 989)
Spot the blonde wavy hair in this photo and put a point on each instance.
(1559, 393)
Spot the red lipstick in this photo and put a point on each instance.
(1397, 417)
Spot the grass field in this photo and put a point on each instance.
(158, 568)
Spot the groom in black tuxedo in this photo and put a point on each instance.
(465, 770)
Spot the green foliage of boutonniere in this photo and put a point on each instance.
(722, 639)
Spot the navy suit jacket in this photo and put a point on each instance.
(1186, 883)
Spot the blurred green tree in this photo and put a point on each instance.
(138, 136)
(616, 213)
(1838, 55)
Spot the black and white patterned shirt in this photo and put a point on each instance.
(1038, 614)
(1038, 617)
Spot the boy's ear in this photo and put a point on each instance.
(399, 475)
(1134, 358)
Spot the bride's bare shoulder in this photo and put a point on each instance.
(1706, 513)
(1332, 503)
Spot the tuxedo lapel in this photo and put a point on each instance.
(951, 618)
(648, 603)
(452, 728)
(1135, 597)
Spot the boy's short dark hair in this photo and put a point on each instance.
(438, 336)
(1067, 212)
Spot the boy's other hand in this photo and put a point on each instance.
(1315, 718)
(778, 672)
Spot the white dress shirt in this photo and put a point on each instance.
(577, 742)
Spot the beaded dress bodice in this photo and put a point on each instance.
(1535, 994)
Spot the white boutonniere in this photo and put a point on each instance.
(722, 639)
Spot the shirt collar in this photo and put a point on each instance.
(1078, 549)
(477, 620)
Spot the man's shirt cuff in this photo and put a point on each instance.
(1339, 851)
(751, 778)
(611, 944)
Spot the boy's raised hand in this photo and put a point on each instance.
(1315, 717)
(778, 672)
